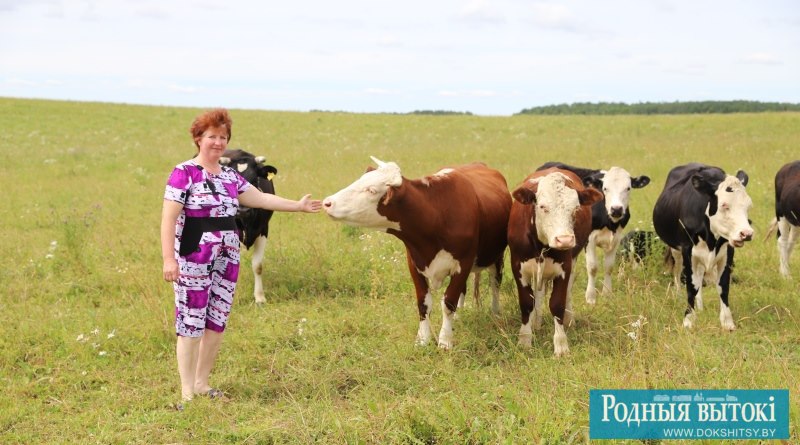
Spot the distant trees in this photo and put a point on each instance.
(703, 107)
(441, 112)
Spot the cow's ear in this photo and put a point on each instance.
(388, 196)
(594, 180)
(702, 184)
(742, 177)
(267, 171)
(589, 196)
(224, 160)
(524, 195)
(640, 182)
(369, 169)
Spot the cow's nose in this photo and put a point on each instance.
(616, 211)
(327, 203)
(565, 242)
(746, 235)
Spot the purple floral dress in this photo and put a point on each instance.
(204, 291)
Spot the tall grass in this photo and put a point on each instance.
(87, 343)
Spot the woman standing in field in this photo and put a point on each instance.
(200, 246)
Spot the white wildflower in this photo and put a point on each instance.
(111, 334)
(95, 345)
(49, 256)
(632, 335)
(80, 337)
(102, 353)
(84, 373)
(95, 331)
(641, 321)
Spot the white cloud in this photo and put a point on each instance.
(761, 59)
(380, 92)
(482, 11)
(553, 15)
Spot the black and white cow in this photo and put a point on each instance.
(702, 215)
(253, 223)
(609, 217)
(787, 212)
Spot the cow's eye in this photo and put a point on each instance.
(543, 208)
(371, 190)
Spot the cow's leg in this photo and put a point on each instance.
(700, 258)
(526, 303)
(257, 265)
(424, 304)
(787, 238)
(591, 271)
(568, 314)
(691, 287)
(558, 304)
(496, 281)
(609, 258)
(677, 268)
(455, 291)
(538, 299)
(725, 316)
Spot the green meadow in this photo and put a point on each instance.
(87, 339)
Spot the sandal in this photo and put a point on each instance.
(215, 393)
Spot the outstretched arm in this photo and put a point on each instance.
(254, 198)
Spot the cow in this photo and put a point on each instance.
(450, 222)
(787, 212)
(702, 215)
(549, 225)
(609, 218)
(253, 223)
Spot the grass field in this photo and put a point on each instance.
(87, 343)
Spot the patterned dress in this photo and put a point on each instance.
(204, 291)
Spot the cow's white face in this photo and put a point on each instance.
(730, 220)
(555, 208)
(357, 204)
(617, 185)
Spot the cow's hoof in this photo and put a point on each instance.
(729, 327)
(591, 297)
(446, 345)
(688, 322)
(560, 347)
(260, 299)
(525, 341)
(726, 319)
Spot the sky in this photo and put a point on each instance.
(486, 57)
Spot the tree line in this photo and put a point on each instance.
(701, 107)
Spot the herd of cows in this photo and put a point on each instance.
(460, 220)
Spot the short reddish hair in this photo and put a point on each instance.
(216, 118)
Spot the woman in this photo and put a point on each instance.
(200, 246)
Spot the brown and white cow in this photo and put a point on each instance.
(549, 225)
(450, 222)
(609, 218)
(787, 212)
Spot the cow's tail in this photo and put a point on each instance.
(772, 227)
